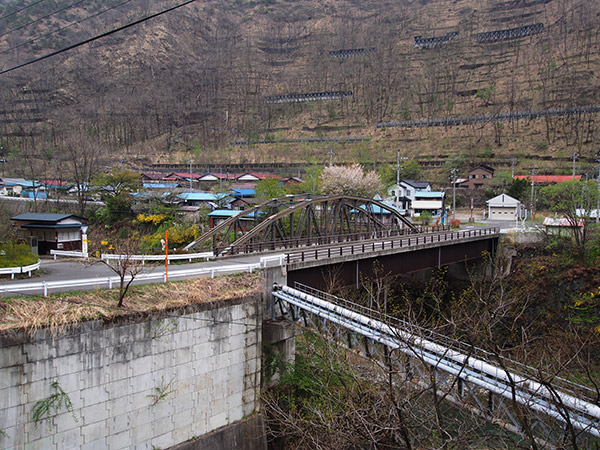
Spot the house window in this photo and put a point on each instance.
(472, 176)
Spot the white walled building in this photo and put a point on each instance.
(402, 195)
(504, 207)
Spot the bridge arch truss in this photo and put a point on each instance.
(296, 221)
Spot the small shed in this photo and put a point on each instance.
(504, 207)
(50, 231)
(562, 226)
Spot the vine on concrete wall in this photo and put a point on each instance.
(163, 328)
(52, 405)
(161, 392)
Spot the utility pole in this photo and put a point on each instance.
(532, 192)
(190, 174)
(399, 167)
(574, 159)
(453, 171)
(513, 161)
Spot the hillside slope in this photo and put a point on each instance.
(204, 78)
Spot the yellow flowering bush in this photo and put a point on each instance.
(179, 235)
(154, 219)
(584, 308)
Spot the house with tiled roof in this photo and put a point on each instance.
(478, 177)
(152, 177)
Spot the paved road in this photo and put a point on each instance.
(60, 270)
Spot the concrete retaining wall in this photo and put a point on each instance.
(135, 385)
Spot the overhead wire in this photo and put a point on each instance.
(21, 9)
(77, 22)
(25, 25)
(95, 38)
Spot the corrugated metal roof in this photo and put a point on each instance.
(548, 178)
(228, 213)
(198, 196)
(244, 192)
(58, 226)
(41, 217)
(159, 185)
(429, 194)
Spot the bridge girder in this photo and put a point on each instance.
(278, 222)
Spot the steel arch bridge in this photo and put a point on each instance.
(295, 221)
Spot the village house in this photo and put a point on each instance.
(45, 232)
(478, 177)
(403, 194)
(431, 202)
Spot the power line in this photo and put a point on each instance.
(95, 38)
(42, 18)
(22, 9)
(64, 27)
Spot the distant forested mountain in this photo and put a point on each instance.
(298, 75)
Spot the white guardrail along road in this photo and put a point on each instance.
(24, 269)
(46, 287)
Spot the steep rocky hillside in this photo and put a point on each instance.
(212, 75)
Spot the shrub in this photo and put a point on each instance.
(179, 235)
(16, 255)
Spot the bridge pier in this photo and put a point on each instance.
(279, 348)
(273, 275)
(278, 336)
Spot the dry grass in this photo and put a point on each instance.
(64, 310)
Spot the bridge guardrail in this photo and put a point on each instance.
(286, 244)
(21, 269)
(372, 246)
